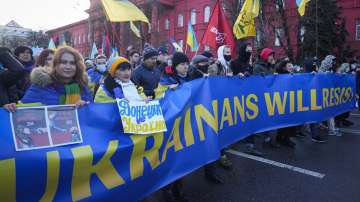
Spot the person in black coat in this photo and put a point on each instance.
(11, 72)
(241, 65)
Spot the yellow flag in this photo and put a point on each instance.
(245, 24)
(135, 29)
(123, 11)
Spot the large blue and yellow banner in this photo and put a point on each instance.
(202, 117)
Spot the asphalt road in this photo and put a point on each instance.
(312, 172)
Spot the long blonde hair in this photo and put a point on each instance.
(80, 76)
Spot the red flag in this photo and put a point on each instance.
(218, 32)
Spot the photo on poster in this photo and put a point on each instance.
(29, 129)
(64, 125)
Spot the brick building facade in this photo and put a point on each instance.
(169, 19)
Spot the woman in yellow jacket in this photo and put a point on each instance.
(117, 85)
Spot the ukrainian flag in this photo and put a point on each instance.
(301, 6)
(191, 38)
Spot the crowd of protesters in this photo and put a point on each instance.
(64, 77)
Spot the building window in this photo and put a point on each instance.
(358, 30)
(279, 3)
(193, 16)
(84, 38)
(79, 41)
(167, 24)
(158, 26)
(74, 39)
(278, 34)
(302, 33)
(207, 14)
(180, 20)
(258, 38)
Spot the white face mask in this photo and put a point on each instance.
(101, 68)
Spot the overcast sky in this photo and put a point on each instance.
(43, 14)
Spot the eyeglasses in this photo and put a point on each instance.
(64, 62)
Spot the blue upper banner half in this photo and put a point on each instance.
(202, 117)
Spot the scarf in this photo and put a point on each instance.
(72, 94)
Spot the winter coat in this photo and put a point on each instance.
(46, 91)
(167, 80)
(11, 72)
(327, 64)
(110, 90)
(224, 66)
(146, 78)
(241, 63)
(263, 68)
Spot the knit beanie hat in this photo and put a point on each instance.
(114, 63)
(149, 52)
(178, 58)
(21, 49)
(199, 58)
(163, 50)
(207, 54)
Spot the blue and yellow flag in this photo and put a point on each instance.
(191, 38)
(301, 4)
(245, 23)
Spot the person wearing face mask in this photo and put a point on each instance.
(97, 74)
(224, 60)
(199, 67)
(241, 65)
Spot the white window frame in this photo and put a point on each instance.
(207, 13)
(167, 24)
(357, 30)
(278, 34)
(193, 16)
(180, 21)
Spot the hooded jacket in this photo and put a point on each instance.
(327, 64)
(225, 65)
(9, 75)
(46, 91)
(241, 63)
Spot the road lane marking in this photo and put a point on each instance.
(349, 131)
(278, 164)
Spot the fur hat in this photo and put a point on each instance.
(179, 58)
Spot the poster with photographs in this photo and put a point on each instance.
(63, 125)
(30, 129)
(42, 127)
